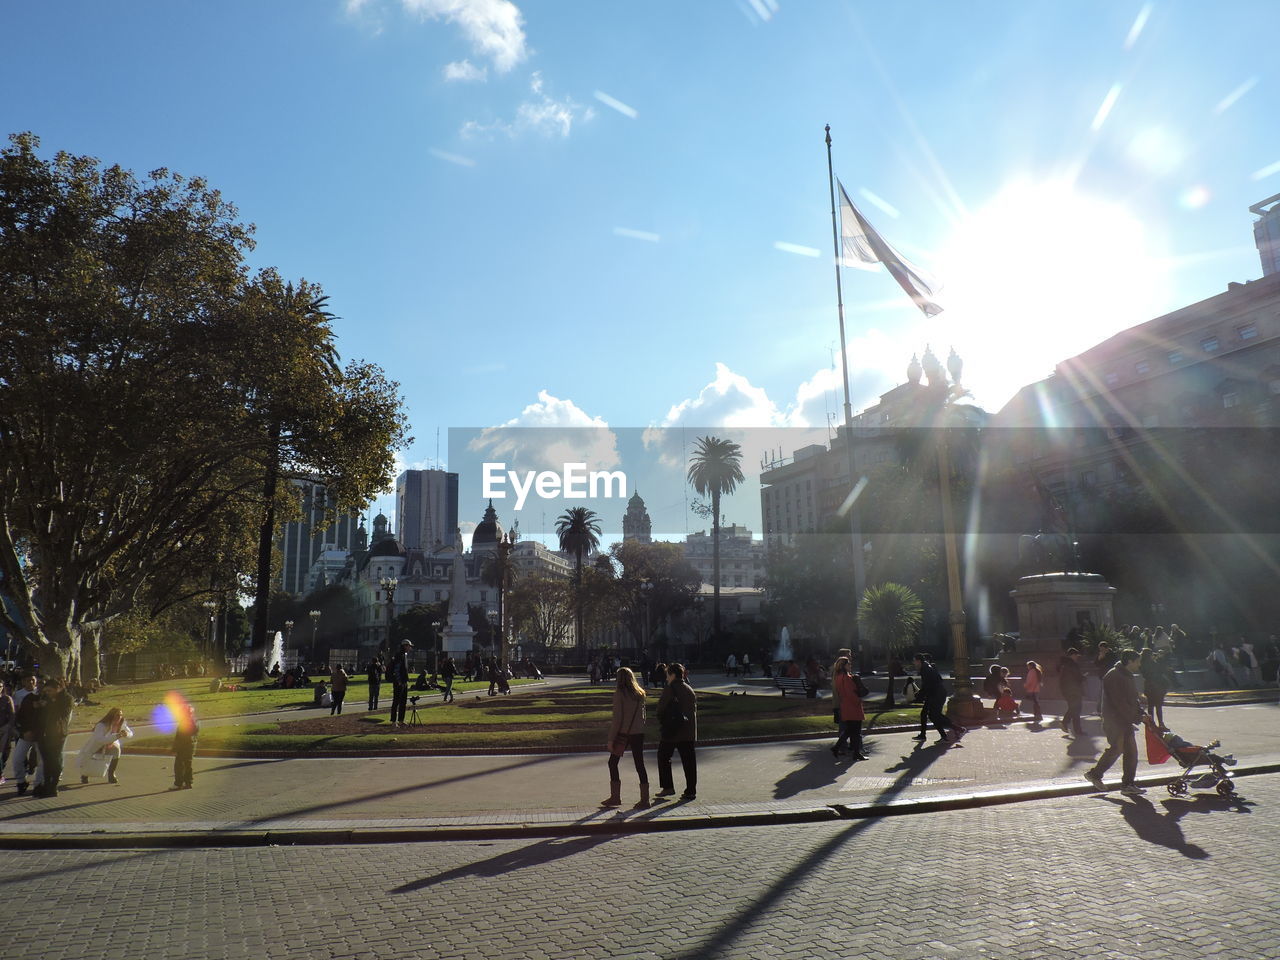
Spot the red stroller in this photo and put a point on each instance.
(1213, 773)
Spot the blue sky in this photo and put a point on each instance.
(569, 212)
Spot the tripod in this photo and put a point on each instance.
(413, 712)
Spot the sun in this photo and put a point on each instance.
(1039, 274)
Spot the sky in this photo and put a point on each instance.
(579, 214)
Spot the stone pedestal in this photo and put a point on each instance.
(1050, 604)
(459, 638)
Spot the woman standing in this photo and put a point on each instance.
(1032, 684)
(626, 732)
(678, 723)
(338, 684)
(1155, 683)
(845, 688)
(100, 755)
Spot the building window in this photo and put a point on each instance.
(1248, 332)
(1231, 399)
(377, 596)
(437, 595)
(1210, 344)
(417, 595)
(1142, 366)
(1111, 379)
(1175, 357)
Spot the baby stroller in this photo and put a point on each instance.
(1212, 774)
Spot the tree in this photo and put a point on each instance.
(129, 303)
(890, 615)
(716, 469)
(579, 534)
(542, 610)
(656, 584)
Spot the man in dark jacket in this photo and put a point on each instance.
(934, 696)
(678, 728)
(26, 727)
(398, 674)
(52, 725)
(1121, 710)
(1071, 684)
(375, 682)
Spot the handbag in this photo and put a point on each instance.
(618, 745)
(859, 686)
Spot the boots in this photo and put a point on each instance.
(615, 795)
(643, 802)
(111, 770)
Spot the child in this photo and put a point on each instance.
(184, 747)
(1005, 704)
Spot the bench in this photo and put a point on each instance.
(795, 685)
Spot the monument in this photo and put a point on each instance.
(458, 635)
(1055, 597)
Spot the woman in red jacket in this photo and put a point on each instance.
(845, 687)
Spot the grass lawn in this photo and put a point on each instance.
(557, 719)
(138, 700)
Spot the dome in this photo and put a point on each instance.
(388, 546)
(489, 529)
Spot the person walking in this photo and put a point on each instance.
(730, 665)
(1122, 712)
(847, 688)
(1032, 684)
(100, 755)
(448, 670)
(375, 682)
(1155, 683)
(24, 735)
(184, 747)
(626, 732)
(7, 711)
(1071, 685)
(934, 695)
(338, 680)
(678, 726)
(398, 674)
(51, 736)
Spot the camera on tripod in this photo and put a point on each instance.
(414, 699)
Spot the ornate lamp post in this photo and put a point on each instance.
(389, 584)
(212, 607)
(315, 626)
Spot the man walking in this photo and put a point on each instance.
(54, 721)
(1071, 683)
(398, 674)
(1121, 711)
(26, 727)
(934, 695)
(375, 682)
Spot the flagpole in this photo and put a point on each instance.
(855, 525)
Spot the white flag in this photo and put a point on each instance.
(859, 241)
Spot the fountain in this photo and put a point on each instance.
(784, 652)
(275, 653)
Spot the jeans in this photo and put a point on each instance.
(51, 759)
(338, 697)
(20, 751)
(850, 733)
(687, 760)
(448, 690)
(1121, 740)
(399, 702)
(375, 692)
(933, 708)
(1035, 702)
(1071, 719)
(182, 773)
(636, 742)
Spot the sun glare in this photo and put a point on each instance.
(1037, 275)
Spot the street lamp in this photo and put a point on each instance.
(646, 591)
(315, 625)
(389, 584)
(212, 607)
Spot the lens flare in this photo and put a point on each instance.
(173, 713)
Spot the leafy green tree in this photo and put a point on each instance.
(715, 469)
(542, 610)
(129, 302)
(890, 616)
(579, 533)
(657, 583)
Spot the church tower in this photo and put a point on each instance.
(635, 522)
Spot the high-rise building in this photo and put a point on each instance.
(302, 541)
(426, 508)
(742, 559)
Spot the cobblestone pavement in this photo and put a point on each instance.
(1088, 876)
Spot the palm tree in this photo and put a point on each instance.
(579, 534)
(500, 571)
(715, 468)
(890, 615)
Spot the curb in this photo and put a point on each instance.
(95, 838)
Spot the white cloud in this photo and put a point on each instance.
(548, 434)
(464, 71)
(730, 400)
(543, 115)
(495, 28)
(622, 108)
(453, 158)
